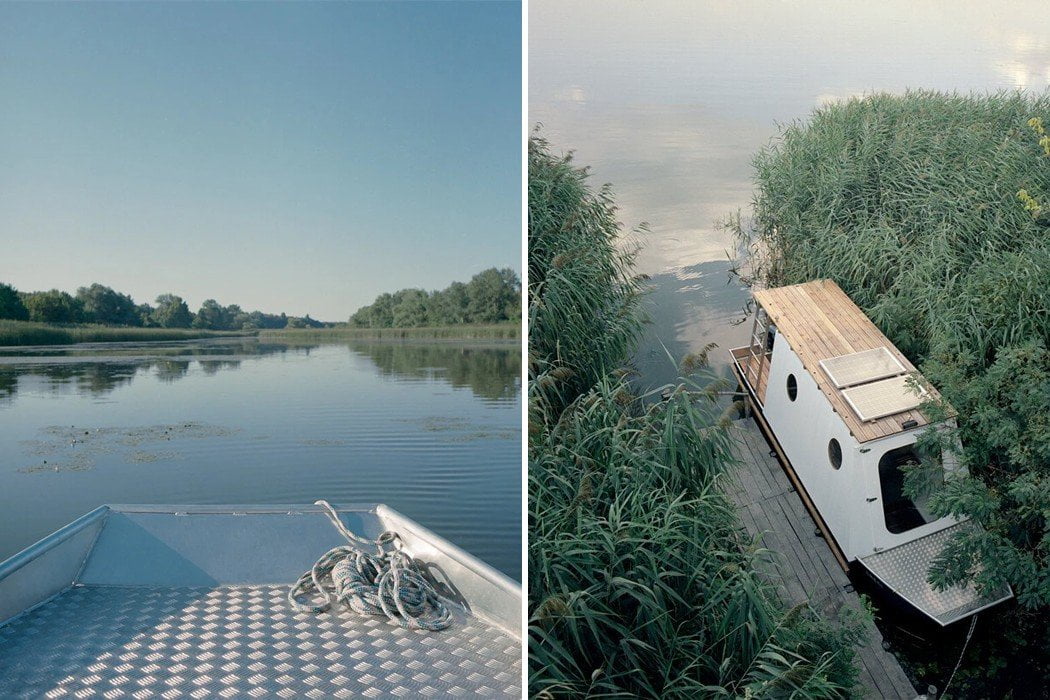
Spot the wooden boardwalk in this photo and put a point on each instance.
(802, 563)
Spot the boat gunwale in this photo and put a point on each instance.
(45, 544)
(502, 585)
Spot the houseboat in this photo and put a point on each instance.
(840, 403)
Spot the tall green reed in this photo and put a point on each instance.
(911, 204)
(640, 582)
(31, 333)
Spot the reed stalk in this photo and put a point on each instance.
(641, 583)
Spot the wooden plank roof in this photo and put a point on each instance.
(819, 322)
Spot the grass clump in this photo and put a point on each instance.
(928, 209)
(31, 333)
(640, 583)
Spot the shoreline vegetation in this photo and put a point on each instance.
(641, 581)
(932, 212)
(23, 333)
(487, 307)
(506, 331)
(492, 296)
(29, 333)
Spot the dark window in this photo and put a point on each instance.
(835, 453)
(792, 387)
(902, 514)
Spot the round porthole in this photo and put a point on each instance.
(792, 387)
(835, 453)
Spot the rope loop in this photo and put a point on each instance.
(385, 583)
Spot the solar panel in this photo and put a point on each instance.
(883, 398)
(860, 367)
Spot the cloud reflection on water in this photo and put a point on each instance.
(669, 102)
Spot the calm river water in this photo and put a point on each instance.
(433, 430)
(669, 100)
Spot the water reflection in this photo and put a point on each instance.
(702, 304)
(491, 372)
(100, 369)
(172, 370)
(669, 101)
(430, 429)
(91, 378)
(210, 367)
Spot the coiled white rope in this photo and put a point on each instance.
(385, 583)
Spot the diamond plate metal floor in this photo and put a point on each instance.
(903, 569)
(236, 642)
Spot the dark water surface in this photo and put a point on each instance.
(669, 100)
(433, 430)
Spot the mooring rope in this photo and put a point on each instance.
(973, 623)
(385, 583)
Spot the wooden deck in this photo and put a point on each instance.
(819, 322)
(745, 359)
(801, 561)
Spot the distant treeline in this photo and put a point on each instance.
(499, 332)
(491, 296)
(106, 306)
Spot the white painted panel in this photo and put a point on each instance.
(804, 427)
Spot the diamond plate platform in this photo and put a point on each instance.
(176, 602)
(240, 642)
(903, 569)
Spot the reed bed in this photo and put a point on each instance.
(30, 333)
(910, 203)
(931, 211)
(495, 331)
(640, 581)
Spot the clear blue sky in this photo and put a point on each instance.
(285, 157)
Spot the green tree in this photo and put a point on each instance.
(382, 315)
(362, 318)
(102, 304)
(11, 305)
(236, 317)
(489, 293)
(491, 296)
(449, 307)
(212, 316)
(52, 307)
(145, 314)
(304, 322)
(172, 312)
(410, 308)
